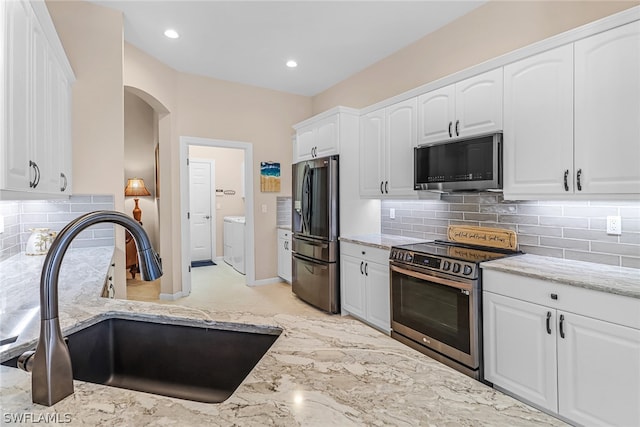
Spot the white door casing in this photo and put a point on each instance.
(201, 196)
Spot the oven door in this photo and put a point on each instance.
(436, 312)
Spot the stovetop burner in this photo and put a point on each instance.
(448, 257)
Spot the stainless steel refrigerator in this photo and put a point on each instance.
(315, 253)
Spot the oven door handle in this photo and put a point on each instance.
(430, 278)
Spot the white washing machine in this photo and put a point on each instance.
(234, 253)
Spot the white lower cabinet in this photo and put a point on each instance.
(364, 284)
(284, 254)
(570, 351)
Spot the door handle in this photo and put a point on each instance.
(361, 264)
(457, 127)
(366, 269)
(562, 326)
(381, 184)
(386, 187)
(450, 134)
(579, 176)
(63, 186)
(566, 182)
(549, 322)
(207, 217)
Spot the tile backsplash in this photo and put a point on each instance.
(20, 216)
(283, 214)
(562, 229)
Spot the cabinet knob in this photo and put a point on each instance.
(554, 296)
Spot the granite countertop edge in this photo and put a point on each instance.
(380, 241)
(598, 277)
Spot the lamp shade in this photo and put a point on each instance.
(135, 187)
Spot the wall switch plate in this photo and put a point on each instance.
(392, 213)
(614, 225)
(264, 208)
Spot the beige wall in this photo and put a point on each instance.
(92, 38)
(228, 168)
(489, 31)
(216, 109)
(140, 139)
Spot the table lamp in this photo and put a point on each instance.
(135, 187)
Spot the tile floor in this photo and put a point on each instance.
(221, 287)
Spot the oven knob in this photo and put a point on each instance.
(467, 270)
(408, 257)
(393, 254)
(456, 268)
(446, 266)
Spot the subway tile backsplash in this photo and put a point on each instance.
(562, 229)
(21, 216)
(283, 214)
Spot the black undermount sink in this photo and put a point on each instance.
(199, 363)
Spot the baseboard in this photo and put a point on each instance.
(269, 281)
(171, 297)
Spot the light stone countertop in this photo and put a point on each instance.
(323, 370)
(381, 241)
(605, 278)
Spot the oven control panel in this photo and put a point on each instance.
(437, 263)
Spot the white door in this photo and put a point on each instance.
(372, 154)
(352, 285)
(435, 115)
(607, 111)
(538, 124)
(520, 348)
(377, 295)
(598, 372)
(479, 104)
(201, 182)
(401, 139)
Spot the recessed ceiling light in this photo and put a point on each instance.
(292, 64)
(172, 34)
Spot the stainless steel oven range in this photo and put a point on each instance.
(436, 297)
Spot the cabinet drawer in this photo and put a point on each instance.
(284, 234)
(600, 305)
(380, 256)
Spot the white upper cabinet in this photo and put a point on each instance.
(387, 140)
(319, 139)
(572, 119)
(36, 119)
(538, 124)
(467, 108)
(607, 111)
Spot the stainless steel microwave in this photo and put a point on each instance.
(473, 164)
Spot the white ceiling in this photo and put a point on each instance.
(250, 41)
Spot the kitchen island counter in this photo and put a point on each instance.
(322, 370)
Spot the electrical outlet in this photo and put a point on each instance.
(614, 225)
(392, 213)
(264, 208)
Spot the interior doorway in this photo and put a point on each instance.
(202, 188)
(231, 195)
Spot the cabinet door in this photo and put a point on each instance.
(401, 139)
(479, 104)
(306, 141)
(377, 294)
(607, 111)
(519, 353)
(43, 146)
(598, 372)
(538, 124)
(61, 122)
(352, 285)
(436, 110)
(328, 137)
(372, 144)
(17, 139)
